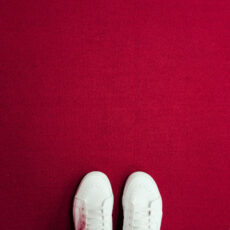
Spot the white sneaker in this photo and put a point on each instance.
(142, 203)
(93, 203)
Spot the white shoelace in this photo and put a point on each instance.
(96, 219)
(141, 219)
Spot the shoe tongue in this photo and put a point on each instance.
(107, 204)
(156, 205)
(141, 206)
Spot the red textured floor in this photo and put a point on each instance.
(115, 86)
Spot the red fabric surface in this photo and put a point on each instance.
(115, 86)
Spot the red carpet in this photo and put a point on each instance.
(115, 86)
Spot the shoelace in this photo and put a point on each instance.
(95, 219)
(142, 219)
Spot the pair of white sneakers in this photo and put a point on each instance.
(93, 203)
